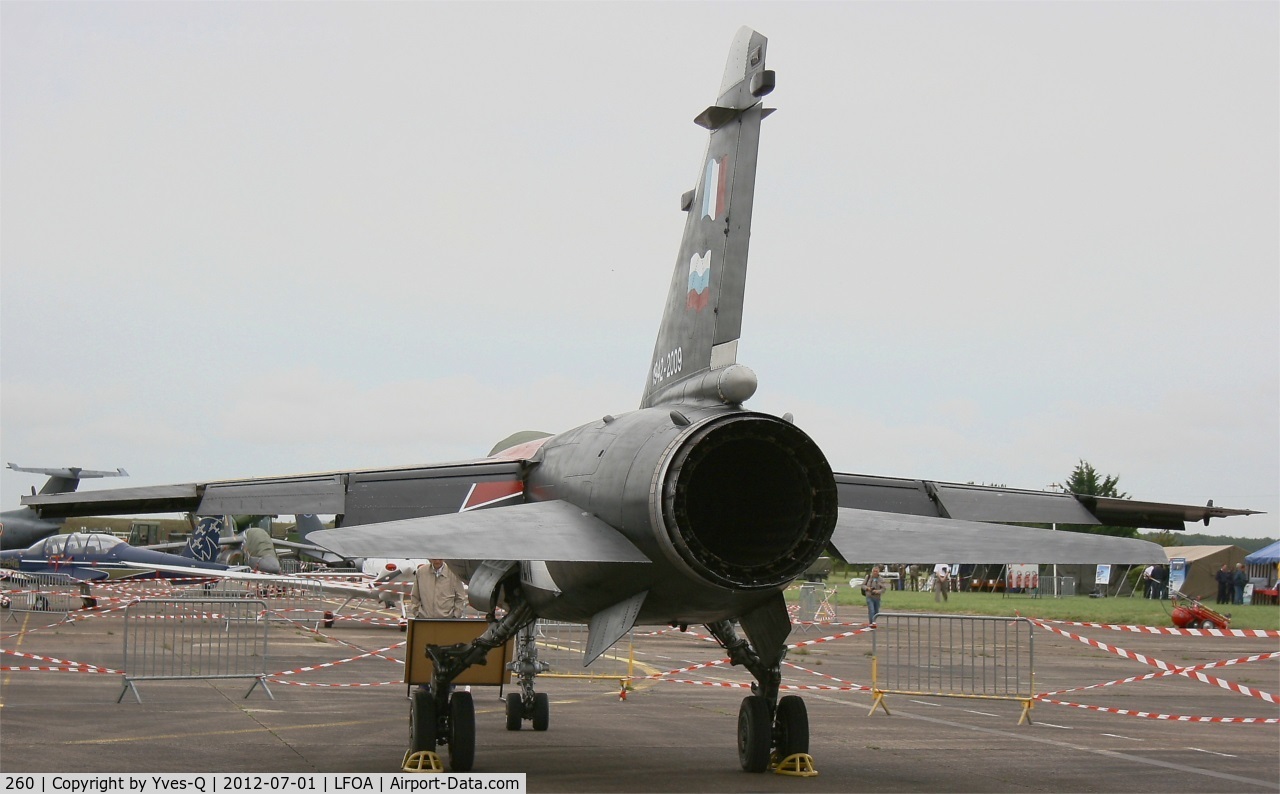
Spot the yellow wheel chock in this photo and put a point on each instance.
(796, 765)
(421, 761)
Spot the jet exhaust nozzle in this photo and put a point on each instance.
(749, 501)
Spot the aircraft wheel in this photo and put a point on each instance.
(753, 734)
(422, 721)
(462, 732)
(792, 721)
(515, 711)
(42, 604)
(541, 711)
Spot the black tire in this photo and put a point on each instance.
(462, 732)
(792, 721)
(515, 711)
(753, 734)
(541, 711)
(1208, 624)
(422, 721)
(42, 604)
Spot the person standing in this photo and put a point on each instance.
(1239, 578)
(941, 581)
(873, 588)
(1223, 578)
(1149, 582)
(1162, 582)
(437, 592)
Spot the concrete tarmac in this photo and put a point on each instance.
(664, 736)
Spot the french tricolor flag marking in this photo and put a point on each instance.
(715, 187)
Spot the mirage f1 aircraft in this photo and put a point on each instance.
(692, 509)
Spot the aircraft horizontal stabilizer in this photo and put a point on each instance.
(71, 472)
(873, 536)
(547, 531)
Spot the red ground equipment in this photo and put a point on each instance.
(1189, 613)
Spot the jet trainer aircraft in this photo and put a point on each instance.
(691, 509)
(94, 556)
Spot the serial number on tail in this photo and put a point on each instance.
(667, 365)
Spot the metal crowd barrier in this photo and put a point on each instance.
(195, 638)
(46, 593)
(963, 656)
(561, 646)
(815, 604)
(291, 602)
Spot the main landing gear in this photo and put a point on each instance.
(455, 727)
(768, 728)
(441, 715)
(527, 704)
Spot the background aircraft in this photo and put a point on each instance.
(692, 509)
(94, 556)
(24, 526)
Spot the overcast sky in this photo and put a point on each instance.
(989, 240)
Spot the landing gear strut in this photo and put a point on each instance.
(527, 704)
(442, 716)
(768, 728)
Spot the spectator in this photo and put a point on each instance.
(941, 581)
(873, 589)
(437, 592)
(1239, 579)
(1223, 578)
(1162, 582)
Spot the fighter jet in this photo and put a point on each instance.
(24, 526)
(692, 509)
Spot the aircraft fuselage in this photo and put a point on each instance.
(729, 505)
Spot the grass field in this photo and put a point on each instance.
(1122, 611)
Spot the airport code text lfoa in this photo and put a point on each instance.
(238, 783)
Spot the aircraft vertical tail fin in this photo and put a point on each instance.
(703, 316)
(204, 543)
(306, 524)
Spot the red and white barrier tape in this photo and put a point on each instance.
(292, 682)
(378, 653)
(1170, 717)
(788, 687)
(719, 662)
(1189, 672)
(840, 681)
(1174, 671)
(1174, 631)
(61, 664)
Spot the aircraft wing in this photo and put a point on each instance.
(362, 496)
(546, 531)
(990, 503)
(876, 536)
(117, 501)
(353, 590)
